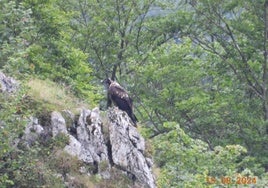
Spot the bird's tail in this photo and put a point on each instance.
(134, 119)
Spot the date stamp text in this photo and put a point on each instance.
(227, 180)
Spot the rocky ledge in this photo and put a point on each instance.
(105, 141)
(97, 139)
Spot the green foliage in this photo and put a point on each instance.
(171, 85)
(66, 65)
(20, 166)
(16, 31)
(60, 141)
(30, 170)
(187, 162)
(119, 34)
(12, 121)
(63, 163)
(36, 38)
(117, 180)
(201, 64)
(181, 84)
(234, 35)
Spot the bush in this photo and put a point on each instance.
(63, 162)
(189, 162)
(12, 124)
(20, 166)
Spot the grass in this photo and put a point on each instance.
(53, 96)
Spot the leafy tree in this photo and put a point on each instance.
(36, 38)
(187, 162)
(211, 90)
(171, 78)
(236, 33)
(119, 34)
(177, 85)
(16, 30)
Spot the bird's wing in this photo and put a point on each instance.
(119, 91)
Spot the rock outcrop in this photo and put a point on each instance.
(127, 148)
(107, 143)
(98, 140)
(8, 84)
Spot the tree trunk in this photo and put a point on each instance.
(114, 72)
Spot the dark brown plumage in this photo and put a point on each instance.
(119, 96)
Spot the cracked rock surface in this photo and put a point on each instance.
(97, 140)
(107, 143)
(128, 148)
(8, 84)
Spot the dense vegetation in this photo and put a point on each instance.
(197, 71)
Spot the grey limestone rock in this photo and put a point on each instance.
(123, 148)
(58, 124)
(107, 143)
(8, 84)
(89, 134)
(32, 132)
(128, 148)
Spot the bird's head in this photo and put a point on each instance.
(107, 81)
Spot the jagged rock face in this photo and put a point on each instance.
(88, 144)
(89, 134)
(32, 132)
(128, 148)
(58, 124)
(120, 147)
(8, 84)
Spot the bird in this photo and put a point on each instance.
(119, 96)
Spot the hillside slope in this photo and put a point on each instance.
(88, 149)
